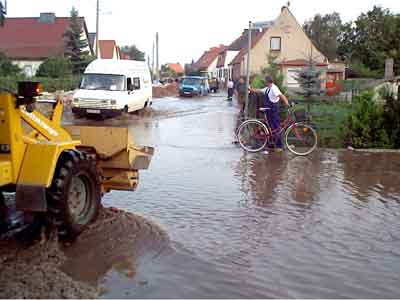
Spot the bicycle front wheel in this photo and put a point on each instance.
(301, 139)
(252, 136)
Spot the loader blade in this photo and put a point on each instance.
(117, 156)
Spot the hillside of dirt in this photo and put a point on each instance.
(49, 269)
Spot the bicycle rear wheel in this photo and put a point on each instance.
(301, 139)
(253, 136)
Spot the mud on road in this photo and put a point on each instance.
(51, 270)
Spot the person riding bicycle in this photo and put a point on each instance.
(272, 96)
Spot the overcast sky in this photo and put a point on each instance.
(186, 27)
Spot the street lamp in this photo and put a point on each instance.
(252, 26)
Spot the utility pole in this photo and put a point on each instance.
(152, 62)
(248, 71)
(97, 29)
(157, 59)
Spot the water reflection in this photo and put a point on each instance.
(268, 178)
(371, 176)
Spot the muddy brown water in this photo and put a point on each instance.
(249, 226)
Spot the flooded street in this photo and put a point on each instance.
(254, 226)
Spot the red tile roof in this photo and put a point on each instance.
(27, 38)
(177, 68)
(300, 63)
(107, 48)
(256, 37)
(208, 57)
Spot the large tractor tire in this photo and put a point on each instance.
(74, 198)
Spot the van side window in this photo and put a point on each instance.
(136, 83)
(129, 84)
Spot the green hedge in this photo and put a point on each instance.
(49, 84)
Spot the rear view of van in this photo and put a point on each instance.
(110, 87)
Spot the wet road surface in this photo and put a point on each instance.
(255, 226)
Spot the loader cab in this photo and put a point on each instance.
(111, 87)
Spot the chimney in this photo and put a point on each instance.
(49, 18)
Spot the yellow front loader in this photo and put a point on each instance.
(59, 173)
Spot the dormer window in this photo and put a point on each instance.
(276, 44)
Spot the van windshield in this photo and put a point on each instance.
(191, 81)
(104, 82)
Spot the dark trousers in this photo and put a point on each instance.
(230, 93)
(274, 121)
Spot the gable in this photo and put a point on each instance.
(295, 44)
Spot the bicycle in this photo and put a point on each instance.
(254, 135)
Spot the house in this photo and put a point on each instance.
(29, 41)
(225, 69)
(108, 49)
(207, 63)
(285, 39)
(177, 68)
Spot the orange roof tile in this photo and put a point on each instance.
(177, 68)
(208, 57)
(238, 59)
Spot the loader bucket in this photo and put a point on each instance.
(117, 156)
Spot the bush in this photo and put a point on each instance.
(55, 67)
(49, 84)
(391, 116)
(362, 71)
(365, 126)
(258, 81)
(7, 68)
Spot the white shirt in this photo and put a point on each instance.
(230, 85)
(273, 93)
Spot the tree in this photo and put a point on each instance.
(310, 83)
(133, 53)
(377, 38)
(55, 67)
(346, 42)
(371, 39)
(2, 14)
(325, 31)
(7, 68)
(75, 45)
(272, 70)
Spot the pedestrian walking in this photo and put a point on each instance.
(231, 89)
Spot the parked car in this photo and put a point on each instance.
(214, 85)
(194, 86)
(110, 87)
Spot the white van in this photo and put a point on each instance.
(110, 87)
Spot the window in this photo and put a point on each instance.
(136, 83)
(275, 44)
(104, 82)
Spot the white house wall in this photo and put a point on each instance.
(28, 67)
(212, 68)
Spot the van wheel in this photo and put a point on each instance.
(74, 197)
